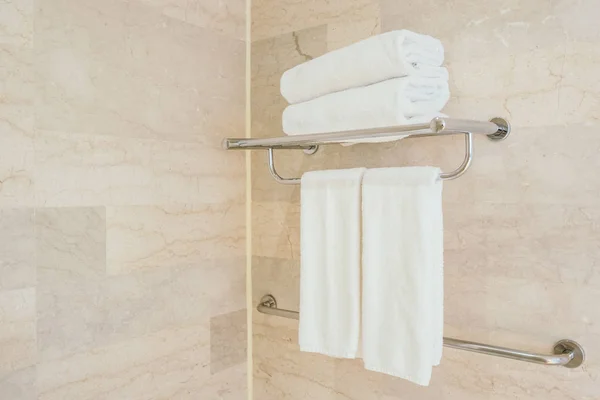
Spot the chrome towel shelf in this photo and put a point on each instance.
(496, 129)
(567, 353)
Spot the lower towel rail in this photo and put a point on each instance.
(567, 353)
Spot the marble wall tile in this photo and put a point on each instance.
(127, 370)
(149, 237)
(16, 23)
(121, 218)
(279, 224)
(80, 307)
(17, 330)
(279, 277)
(225, 17)
(273, 18)
(351, 381)
(124, 69)
(17, 248)
(214, 288)
(282, 372)
(84, 170)
(553, 243)
(71, 261)
(228, 340)
(16, 124)
(342, 34)
(230, 384)
(116, 308)
(71, 240)
(19, 385)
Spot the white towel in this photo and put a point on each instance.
(399, 101)
(330, 262)
(378, 58)
(402, 313)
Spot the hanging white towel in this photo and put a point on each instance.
(402, 312)
(399, 101)
(330, 262)
(375, 59)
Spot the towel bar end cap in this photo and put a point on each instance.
(565, 346)
(268, 301)
(311, 150)
(503, 129)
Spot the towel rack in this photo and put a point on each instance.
(496, 129)
(567, 353)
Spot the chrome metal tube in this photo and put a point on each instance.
(444, 175)
(546, 359)
(567, 353)
(278, 178)
(438, 126)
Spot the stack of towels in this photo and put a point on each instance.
(395, 78)
(371, 240)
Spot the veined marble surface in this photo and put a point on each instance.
(122, 251)
(522, 227)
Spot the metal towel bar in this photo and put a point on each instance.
(567, 353)
(496, 129)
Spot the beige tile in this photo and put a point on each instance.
(71, 261)
(227, 18)
(17, 330)
(549, 243)
(270, 58)
(353, 382)
(19, 385)
(16, 22)
(213, 288)
(17, 248)
(126, 70)
(342, 34)
(80, 313)
(534, 309)
(272, 18)
(80, 308)
(230, 384)
(559, 171)
(17, 84)
(149, 237)
(279, 227)
(84, 170)
(72, 240)
(166, 364)
(281, 371)
(228, 340)
(279, 277)
(16, 125)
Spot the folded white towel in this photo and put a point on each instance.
(378, 58)
(330, 262)
(393, 102)
(402, 312)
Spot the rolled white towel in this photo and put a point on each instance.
(378, 58)
(399, 101)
